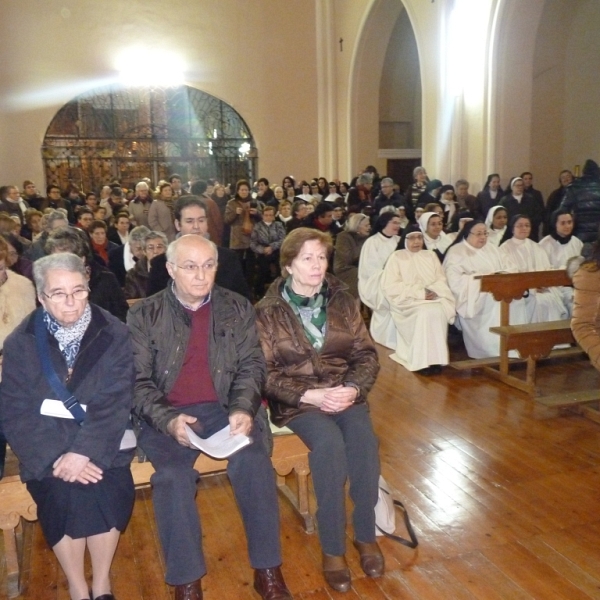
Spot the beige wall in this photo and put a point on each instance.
(264, 67)
(400, 90)
(582, 86)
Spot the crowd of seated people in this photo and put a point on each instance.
(126, 229)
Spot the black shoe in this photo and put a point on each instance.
(435, 369)
(426, 371)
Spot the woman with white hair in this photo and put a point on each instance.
(139, 207)
(74, 462)
(348, 245)
(421, 305)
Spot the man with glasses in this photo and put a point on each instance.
(191, 217)
(199, 363)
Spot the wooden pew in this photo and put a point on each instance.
(289, 455)
(532, 341)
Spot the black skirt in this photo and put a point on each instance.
(79, 510)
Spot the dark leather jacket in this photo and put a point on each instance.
(160, 330)
(294, 366)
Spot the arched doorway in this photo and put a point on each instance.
(385, 120)
(128, 133)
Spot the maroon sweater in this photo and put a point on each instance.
(194, 384)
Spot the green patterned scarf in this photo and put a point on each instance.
(310, 311)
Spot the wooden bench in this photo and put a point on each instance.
(533, 341)
(289, 454)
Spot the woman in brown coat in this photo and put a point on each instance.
(585, 321)
(321, 365)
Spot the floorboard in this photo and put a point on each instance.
(502, 492)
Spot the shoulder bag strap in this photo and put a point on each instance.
(414, 542)
(43, 347)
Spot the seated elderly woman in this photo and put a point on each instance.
(15, 260)
(104, 288)
(101, 245)
(435, 238)
(348, 245)
(321, 364)
(70, 459)
(373, 256)
(421, 305)
(477, 311)
(136, 280)
(543, 304)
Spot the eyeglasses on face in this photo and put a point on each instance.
(194, 268)
(58, 297)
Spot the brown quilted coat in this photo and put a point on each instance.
(585, 322)
(294, 366)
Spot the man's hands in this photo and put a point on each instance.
(72, 467)
(240, 422)
(331, 400)
(176, 428)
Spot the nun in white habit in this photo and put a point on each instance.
(435, 238)
(496, 221)
(421, 305)
(373, 256)
(477, 311)
(560, 247)
(543, 304)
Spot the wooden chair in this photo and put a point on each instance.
(289, 455)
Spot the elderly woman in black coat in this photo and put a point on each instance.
(70, 458)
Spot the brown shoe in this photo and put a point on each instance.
(189, 591)
(336, 572)
(270, 585)
(371, 558)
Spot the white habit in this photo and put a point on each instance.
(528, 256)
(478, 311)
(559, 255)
(421, 325)
(373, 256)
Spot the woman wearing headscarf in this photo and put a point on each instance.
(544, 304)
(469, 257)
(496, 221)
(321, 365)
(70, 459)
(561, 246)
(421, 305)
(435, 239)
(518, 202)
(375, 252)
(450, 205)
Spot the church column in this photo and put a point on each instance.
(326, 88)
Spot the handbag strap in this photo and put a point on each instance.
(43, 348)
(414, 542)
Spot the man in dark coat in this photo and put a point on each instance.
(582, 200)
(387, 197)
(191, 218)
(199, 363)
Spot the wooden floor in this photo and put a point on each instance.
(503, 494)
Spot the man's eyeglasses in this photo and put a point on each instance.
(192, 268)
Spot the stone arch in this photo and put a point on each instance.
(129, 133)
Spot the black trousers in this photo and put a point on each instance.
(342, 446)
(174, 491)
